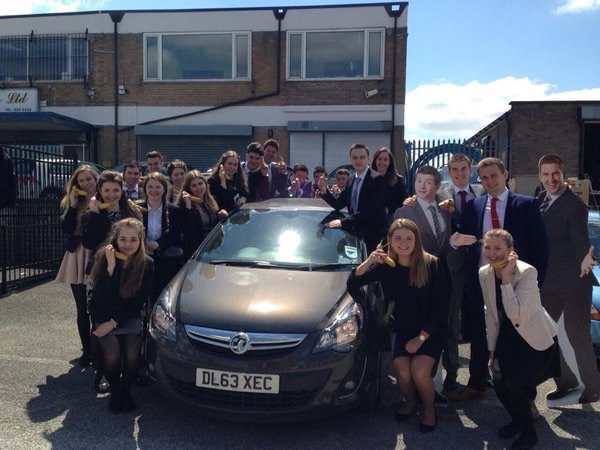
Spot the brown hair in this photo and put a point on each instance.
(552, 159)
(391, 175)
(133, 273)
(500, 234)
(420, 260)
(110, 176)
(165, 184)
(459, 158)
(82, 202)
(176, 164)
(239, 175)
(154, 154)
(208, 198)
(490, 161)
(430, 170)
(271, 142)
(356, 146)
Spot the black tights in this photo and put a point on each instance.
(121, 359)
(515, 399)
(83, 319)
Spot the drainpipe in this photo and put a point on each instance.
(116, 17)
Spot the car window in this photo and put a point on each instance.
(281, 237)
(594, 231)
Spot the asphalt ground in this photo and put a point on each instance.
(47, 401)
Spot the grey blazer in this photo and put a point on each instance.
(430, 243)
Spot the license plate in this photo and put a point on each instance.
(238, 382)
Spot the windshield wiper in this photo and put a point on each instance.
(327, 266)
(242, 263)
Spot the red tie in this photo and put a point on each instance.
(463, 201)
(495, 220)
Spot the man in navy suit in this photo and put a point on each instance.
(521, 217)
(364, 196)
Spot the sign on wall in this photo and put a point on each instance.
(19, 100)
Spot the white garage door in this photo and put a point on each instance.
(331, 149)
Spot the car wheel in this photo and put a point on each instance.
(51, 193)
(373, 391)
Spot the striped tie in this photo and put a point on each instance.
(495, 218)
(545, 204)
(436, 222)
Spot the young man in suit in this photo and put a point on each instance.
(567, 293)
(364, 197)
(278, 169)
(461, 192)
(521, 217)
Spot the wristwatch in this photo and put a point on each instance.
(422, 337)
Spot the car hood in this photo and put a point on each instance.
(259, 299)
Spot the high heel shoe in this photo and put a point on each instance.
(100, 383)
(424, 428)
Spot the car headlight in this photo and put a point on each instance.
(162, 321)
(343, 334)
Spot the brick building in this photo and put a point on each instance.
(194, 83)
(531, 129)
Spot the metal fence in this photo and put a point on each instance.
(30, 234)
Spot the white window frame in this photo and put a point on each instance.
(365, 76)
(234, 68)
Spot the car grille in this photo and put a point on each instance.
(260, 345)
(242, 400)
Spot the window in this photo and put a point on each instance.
(43, 57)
(197, 56)
(335, 54)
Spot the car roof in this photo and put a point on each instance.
(290, 204)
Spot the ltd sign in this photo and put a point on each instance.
(19, 100)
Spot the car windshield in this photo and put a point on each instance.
(594, 231)
(281, 238)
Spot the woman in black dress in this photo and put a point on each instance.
(121, 285)
(227, 183)
(395, 187)
(199, 211)
(418, 286)
(521, 335)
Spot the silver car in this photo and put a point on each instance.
(258, 325)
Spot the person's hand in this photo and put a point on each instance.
(588, 262)
(295, 186)
(322, 183)
(491, 361)
(512, 184)
(152, 245)
(186, 199)
(104, 328)
(459, 240)
(240, 201)
(93, 205)
(73, 197)
(223, 176)
(413, 345)
(337, 223)
(410, 201)
(509, 268)
(109, 251)
(447, 205)
(377, 256)
(222, 214)
(335, 190)
(282, 167)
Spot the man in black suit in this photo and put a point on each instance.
(278, 169)
(364, 198)
(461, 192)
(521, 217)
(567, 292)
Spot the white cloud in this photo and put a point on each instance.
(447, 110)
(9, 8)
(577, 6)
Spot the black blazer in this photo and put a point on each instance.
(172, 236)
(226, 198)
(194, 228)
(370, 219)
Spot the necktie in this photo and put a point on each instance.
(463, 201)
(355, 194)
(545, 204)
(495, 219)
(436, 221)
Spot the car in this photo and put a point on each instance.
(259, 326)
(594, 237)
(446, 180)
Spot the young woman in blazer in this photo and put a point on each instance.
(227, 183)
(121, 285)
(521, 335)
(199, 211)
(395, 187)
(418, 287)
(79, 190)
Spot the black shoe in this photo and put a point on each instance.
(589, 398)
(403, 417)
(114, 403)
(424, 428)
(510, 430)
(100, 383)
(127, 403)
(440, 400)
(559, 393)
(526, 441)
(85, 360)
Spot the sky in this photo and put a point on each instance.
(467, 59)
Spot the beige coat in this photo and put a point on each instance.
(521, 301)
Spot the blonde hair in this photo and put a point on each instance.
(133, 274)
(207, 197)
(82, 202)
(420, 260)
(501, 234)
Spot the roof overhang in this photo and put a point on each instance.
(42, 128)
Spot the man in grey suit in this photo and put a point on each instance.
(567, 292)
(461, 192)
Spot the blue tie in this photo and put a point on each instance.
(355, 194)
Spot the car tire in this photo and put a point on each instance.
(51, 193)
(372, 397)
